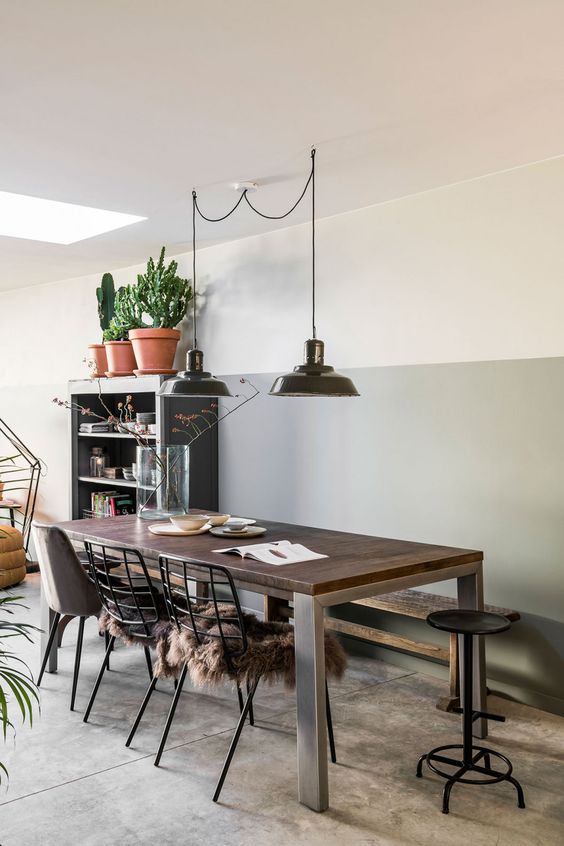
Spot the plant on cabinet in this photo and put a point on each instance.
(121, 359)
(105, 296)
(161, 296)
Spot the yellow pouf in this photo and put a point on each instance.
(12, 557)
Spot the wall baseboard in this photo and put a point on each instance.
(517, 693)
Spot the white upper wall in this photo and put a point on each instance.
(474, 271)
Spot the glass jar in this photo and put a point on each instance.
(98, 460)
(162, 481)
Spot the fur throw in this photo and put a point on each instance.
(131, 629)
(270, 653)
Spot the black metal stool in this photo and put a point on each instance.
(468, 624)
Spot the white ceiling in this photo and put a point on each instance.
(127, 104)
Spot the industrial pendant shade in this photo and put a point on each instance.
(313, 378)
(194, 381)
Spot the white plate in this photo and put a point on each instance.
(248, 521)
(251, 532)
(170, 529)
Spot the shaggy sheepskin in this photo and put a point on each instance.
(270, 653)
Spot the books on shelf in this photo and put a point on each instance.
(111, 504)
(277, 552)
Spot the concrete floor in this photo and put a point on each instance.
(76, 783)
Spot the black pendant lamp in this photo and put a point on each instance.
(194, 381)
(313, 378)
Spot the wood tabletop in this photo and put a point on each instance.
(353, 560)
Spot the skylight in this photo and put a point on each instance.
(57, 223)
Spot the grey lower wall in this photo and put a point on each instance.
(465, 454)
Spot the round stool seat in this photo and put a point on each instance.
(463, 621)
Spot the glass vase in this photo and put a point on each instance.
(162, 481)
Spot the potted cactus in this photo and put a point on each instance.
(152, 309)
(105, 295)
(121, 359)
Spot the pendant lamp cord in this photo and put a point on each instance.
(313, 329)
(244, 196)
(194, 328)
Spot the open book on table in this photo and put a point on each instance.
(278, 552)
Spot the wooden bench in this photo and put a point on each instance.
(406, 603)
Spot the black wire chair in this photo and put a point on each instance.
(202, 600)
(128, 598)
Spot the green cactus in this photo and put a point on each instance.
(159, 294)
(117, 331)
(105, 295)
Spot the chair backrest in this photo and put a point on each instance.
(68, 590)
(199, 598)
(124, 586)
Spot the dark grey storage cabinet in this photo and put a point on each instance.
(121, 448)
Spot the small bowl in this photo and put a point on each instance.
(235, 528)
(189, 522)
(218, 519)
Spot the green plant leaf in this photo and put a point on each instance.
(16, 680)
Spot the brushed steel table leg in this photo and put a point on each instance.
(471, 595)
(313, 784)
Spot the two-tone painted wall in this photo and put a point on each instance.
(447, 307)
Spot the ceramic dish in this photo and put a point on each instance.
(248, 521)
(218, 519)
(169, 529)
(248, 532)
(189, 522)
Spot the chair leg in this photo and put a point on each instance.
(235, 740)
(77, 656)
(251, 712)
(52, 635)
(330, 725)
(149, 662)
(240, 698)
(141, 711)
(170, 716)
(108, 650)
(99, 679)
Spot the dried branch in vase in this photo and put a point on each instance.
(193, 426)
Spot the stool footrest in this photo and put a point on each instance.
(476, 715)
(479, 763)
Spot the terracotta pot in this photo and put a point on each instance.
(154, 349)
(121, 361)
(98, 355)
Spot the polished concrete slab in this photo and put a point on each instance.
(74, 783)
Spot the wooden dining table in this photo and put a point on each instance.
(357, 566)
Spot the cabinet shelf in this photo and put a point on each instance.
(113, 435)
(101, 480)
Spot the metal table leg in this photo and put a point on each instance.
(47, 617)
(313, 785)
(471, 595)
